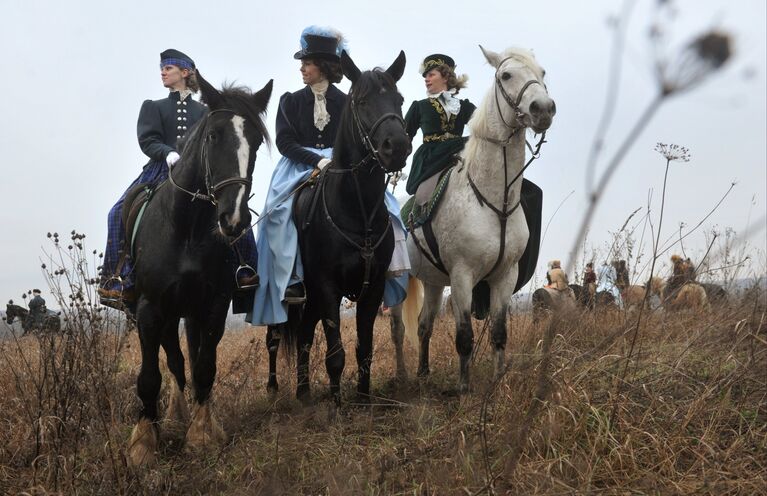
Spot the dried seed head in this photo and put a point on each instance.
(699, 59)
(673, 153)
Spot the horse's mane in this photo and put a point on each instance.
(240, 100)
(478, 123)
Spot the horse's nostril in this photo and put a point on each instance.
(535, 107)
(553, 107)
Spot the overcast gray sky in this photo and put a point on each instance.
(75, 73)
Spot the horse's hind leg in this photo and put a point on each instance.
(273, 336)
(177, 415)
(144, 438)
(398, 337)
(432, 301)
(304, 341)
(367, 310)
(205, 429)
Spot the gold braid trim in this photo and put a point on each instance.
(447, 124)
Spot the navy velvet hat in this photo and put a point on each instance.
(172, 56)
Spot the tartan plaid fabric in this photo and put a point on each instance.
(153, 173)
(184, 64)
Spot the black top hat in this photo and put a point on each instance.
(313, 45)
(436, 60)
(172, 56)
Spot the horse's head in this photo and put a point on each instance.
(376, 109)
(519, 82)
(227, 140)
(12, 311)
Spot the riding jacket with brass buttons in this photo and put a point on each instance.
(161, 123)
(295, 124)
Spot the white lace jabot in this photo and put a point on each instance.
(321, 116)
(450, 103)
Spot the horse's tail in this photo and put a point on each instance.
(411, 308)
(289, 332)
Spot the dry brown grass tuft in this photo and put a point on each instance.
(689, 417)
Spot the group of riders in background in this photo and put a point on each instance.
(613, 278)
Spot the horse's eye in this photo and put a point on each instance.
(505, 76)
(361, 102)
(543, 72)
(211, 137)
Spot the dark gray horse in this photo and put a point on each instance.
(183, 265)
(50, 322)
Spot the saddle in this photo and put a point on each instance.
(418, 209)
(136, 200)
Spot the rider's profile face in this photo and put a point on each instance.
(173, 77)
(435, 81)
(310, 72)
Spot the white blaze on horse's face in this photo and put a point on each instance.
(243, 153)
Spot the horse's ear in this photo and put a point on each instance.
(398, 66)
(492, 58)
(349, 68)
(261, 97)
(210, 95)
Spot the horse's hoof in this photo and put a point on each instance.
(304, 396)
(205, 432)
(142, 446)
(423, 372)
(272, 388)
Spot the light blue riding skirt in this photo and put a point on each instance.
(277, 243)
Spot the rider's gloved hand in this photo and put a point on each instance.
(172, 158)
(323, 163)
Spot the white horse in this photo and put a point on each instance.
(480, 232)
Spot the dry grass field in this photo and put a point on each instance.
(687, 416)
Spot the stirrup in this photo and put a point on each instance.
(296, 299)
(251, 281)
(111, 297)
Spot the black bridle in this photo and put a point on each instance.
(366, 135)
(210, 191)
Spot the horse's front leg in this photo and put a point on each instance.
(432, 301)
(143, 442)
(500, 296)
(461, 292)
(273, 336)
(367, 309)
(398, 338)
(205, 430)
